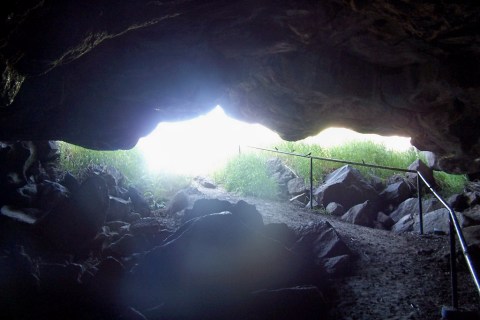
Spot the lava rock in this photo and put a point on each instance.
(210, 262)
(75, 221)
(363, 214)
(346, 186)
(140, 205)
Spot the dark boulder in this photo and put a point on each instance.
(118, 209)
(320, 242)
(178, 202)
(246, 212)
(346, 186)
(281, 233)
(385, 221)
(405, 224)
(396, 193)
(437, 221)
(210, 263)
(296, 186)
(75, 221)
(335, 209)
(425, 171)
(407, 207)
(363, 214)
(203, 207)
(140, 205)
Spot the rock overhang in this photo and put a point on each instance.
(102, 75)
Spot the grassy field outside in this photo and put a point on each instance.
(356, 151)
(247, 173)
(131, 163)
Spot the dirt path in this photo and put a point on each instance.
(395, 276)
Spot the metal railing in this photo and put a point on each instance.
(454, 225)
(455, 228)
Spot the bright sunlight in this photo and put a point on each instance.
(201, 145)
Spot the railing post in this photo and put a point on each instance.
(311, 183)
(453, 265)
(420, 209)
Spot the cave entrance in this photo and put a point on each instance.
(202, 145)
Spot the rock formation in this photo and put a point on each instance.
(388, 67)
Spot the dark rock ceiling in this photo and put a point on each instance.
(103, 73)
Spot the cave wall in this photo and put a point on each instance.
(103, 73)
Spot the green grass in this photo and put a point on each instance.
(157, 187)
(358, 151)
(238, 175)
(247, 175)
(75, 159)
(449, 184)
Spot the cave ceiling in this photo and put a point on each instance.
(102, 74)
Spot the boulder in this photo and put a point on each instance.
(458, 202)
(203, 207)
(75, 221)
(396, 193)
(335, 209)
(127, 245)
(145, 226)
(319, 242)
(425, 171)
(70, 182)
(178, 202)
(431, 204)
(140, 205)
(281, 233)
(385, 221)
(246, 212)
(118, 209)
(405, 224)
(25, 196)
(209, 263)
(296, 186)
(50, 194)
(363, 214)
(437, 220)
(337, 266)
(376, 182)
(472, 235)
(346, 186)
(431, 159)
(473, 198)
(281, 174)
(205, 182)
(473, 214)
(300, 199)
(407, 207)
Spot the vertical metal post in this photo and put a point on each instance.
(239, 150)
(311, 183)
(453, 266)
(420, 209)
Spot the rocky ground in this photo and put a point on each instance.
(394, 276)
(89, 247)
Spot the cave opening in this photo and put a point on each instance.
(202, 145)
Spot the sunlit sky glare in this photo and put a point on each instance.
(201, 145)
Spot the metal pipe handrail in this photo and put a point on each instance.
(454, 224)
(337, 160)
(458, 230)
